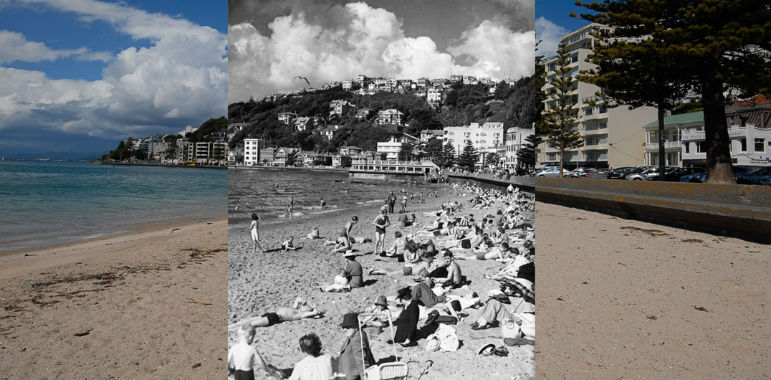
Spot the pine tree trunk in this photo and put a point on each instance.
(562, 161)
(662, 141)
(717, 142)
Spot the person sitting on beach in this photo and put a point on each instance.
(495, 313)
(407, 323)
(380, 223)
(354, 348)
(314, 234)
(454, 277)
(314, 366)
(404, 221)
(243, 358)
(422, 265)
(344, 241)
(254, 227)
(353, 271)
(380, 306)
(288, 245)
(299, 310)
(398, 247)
(423, 293)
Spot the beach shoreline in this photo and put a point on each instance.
(262, 282)
(128, 230)
(147, 304)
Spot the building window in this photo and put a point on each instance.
(743, 141)
(603, 109)
(759, 145)
(698, 147)
(687, 146)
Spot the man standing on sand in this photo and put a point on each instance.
(391, 202)
(381, 222)
(404, 203)
(323, 204)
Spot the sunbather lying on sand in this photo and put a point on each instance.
(299, 310)
(288, 245)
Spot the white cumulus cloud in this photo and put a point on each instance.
(14, 47)
(549, 34)
(356, 38)
(179, 79)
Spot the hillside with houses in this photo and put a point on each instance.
(386, 119)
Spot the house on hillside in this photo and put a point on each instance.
(286, 117)
(389, 116)
(340, 107)
(350, 150)
(427, 135)
(307, 122)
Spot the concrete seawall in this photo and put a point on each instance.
(738, 210)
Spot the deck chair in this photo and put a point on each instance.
(386, 371)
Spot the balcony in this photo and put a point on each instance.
(596, 131)
(669, 146)
(691, 135)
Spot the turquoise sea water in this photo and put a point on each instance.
(45, 202)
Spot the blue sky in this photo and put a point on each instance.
(80, 75)
(552, 20)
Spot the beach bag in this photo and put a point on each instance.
(510, 329)
(448, 339)
(465, 243)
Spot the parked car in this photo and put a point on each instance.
(675, 174)
(754, 176)
(650, 174)
(551, 171)
(583, 173)
(619, 173)
(701, 177)
(633, 170)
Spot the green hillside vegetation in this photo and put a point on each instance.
(464, 105)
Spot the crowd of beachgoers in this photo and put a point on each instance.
(433, 255)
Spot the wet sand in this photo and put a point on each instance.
(142, 305)
(623, 299)
(262, 282)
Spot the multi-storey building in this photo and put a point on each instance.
(612, 136)
(252, 151)
(516, 139)
(485, 138)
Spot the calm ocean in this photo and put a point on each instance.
(44, 202)
(254, 190)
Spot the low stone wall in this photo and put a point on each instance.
(524, 183)
(738, 210)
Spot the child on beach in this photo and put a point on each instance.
(254, 227)
(323, 204)
(243, 358)
(314, 366)
(404, 203)
(314, 234)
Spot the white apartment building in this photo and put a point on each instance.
(252, 151)
(516, 139)
(612, 136)
(485, 138)
(750, 144)
(391, 148)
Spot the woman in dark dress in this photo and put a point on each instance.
(407, 324)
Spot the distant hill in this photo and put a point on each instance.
(464, 104)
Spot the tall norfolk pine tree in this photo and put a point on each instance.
(558, 124)
(716, 43)
(634, 66)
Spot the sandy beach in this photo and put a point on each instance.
(149, 304)
(262, 282)
(623, 299)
